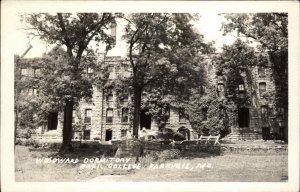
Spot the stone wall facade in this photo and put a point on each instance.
(91, 118)
(264, 119)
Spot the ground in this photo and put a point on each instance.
(197, 168)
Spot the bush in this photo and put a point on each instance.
(169, 154)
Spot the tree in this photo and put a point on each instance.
(210, 114)
(75, 32)
(27, 102)
(270, 30)
(164, 56)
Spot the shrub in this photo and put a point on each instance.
(169, 154)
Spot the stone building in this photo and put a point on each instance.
(105, 119)
(257, 119)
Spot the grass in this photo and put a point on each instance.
(229, 167)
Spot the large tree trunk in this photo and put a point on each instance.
(280, 74)
(137, 110)
(67, 126)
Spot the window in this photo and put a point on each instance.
(241, 90)
(281, 113)
(114, 31)
(90, 70)
(125, 118)
(167, 114)
(117, 70)
(264, 112)
(182, 118)
(124, 98)
(262, 87)
(204, 113)
(30, 92)
(109, 95)
(221, 89)
(36, 72)
(123, 132)
(108, 135)
(24, 71)
(35, 92)
(52, 120)
(73, 116)
(261, 71)
(241, 87)
(203, 89)
(86, 134)
(109, 115)
(88, 116)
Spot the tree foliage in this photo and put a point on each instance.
(164, 57)
(270, 30)
(75, 32)
(210, 114)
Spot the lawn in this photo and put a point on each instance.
(202, 167)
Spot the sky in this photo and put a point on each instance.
(209, 25)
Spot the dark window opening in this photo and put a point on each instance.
(88, 116)
(281, 113)
(167, 114)
(243, 117)
(145, 121)
(203, 89)
(281, 133)
(261, 71)
(204, 113)
(52, 120)
(264, 113)
(262, 87)
(87, 134)
(114, 31)
(109, 115)
(124, 97)
(182, 117)
(108, 135)
(123, 132)
(36, 72)
(125, 112)
(266, 133)
(109, 95)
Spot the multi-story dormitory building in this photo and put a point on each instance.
(257, 119)
(106, 119)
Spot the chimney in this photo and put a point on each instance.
(26, 51)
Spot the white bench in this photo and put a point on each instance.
(209, 138)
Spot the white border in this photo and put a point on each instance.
(9, 8)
